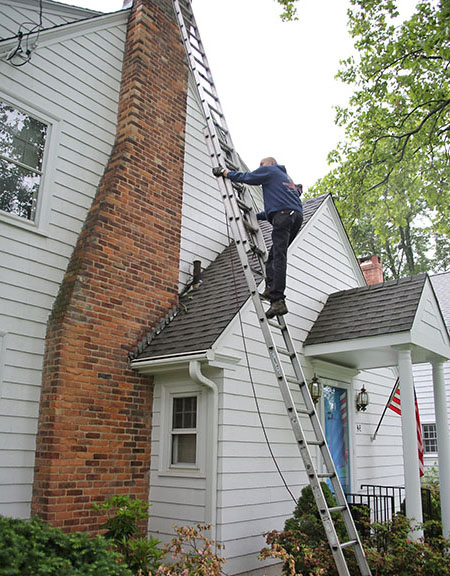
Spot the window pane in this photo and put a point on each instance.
(184, 412)
(429, 437)
(22, 137)
(184, 448)
(18, 190)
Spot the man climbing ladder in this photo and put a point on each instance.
(283, 209)
(241, 217)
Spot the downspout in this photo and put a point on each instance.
(195, 372)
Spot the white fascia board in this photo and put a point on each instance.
(429, 330)
(332, 370)
(55, 7)
(68, 31)
(383, 341)
(346, 241)
(161, 364)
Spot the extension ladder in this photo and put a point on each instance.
(250, 245)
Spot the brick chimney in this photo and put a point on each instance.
(372, 269)
(95, 415)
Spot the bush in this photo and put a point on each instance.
(192, 554)
(35, 548)
(127, 531)
(390, 552)
(304, 549)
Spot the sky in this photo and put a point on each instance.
(276, 81)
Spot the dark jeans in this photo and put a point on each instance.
(286, 225)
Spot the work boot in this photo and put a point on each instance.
(277, 308)
(266, 294)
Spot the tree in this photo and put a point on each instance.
(290, 10)
(390, 176)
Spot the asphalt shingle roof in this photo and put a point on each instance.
(384, 308)
(204, 313)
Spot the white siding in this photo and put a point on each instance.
(423, 382)
(177, 497)
(252, 497)
(378, 461)
(74, 83)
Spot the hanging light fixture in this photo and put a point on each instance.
(315, 389)
(362, 400)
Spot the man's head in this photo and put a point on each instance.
(268, 161)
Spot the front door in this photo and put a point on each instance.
(336, 431)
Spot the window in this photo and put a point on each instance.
(429, 438)
(184, 431)
(22, 145)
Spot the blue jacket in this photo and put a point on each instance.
(279, 191)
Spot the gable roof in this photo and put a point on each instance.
(204, 313)
(368, 311)
(59, 21)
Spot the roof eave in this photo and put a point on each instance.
(170, 363)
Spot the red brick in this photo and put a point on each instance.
(121, 280)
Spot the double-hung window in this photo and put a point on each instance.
(429, 434)
(184, 431)
(22, 146)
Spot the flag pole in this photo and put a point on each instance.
(394, 389)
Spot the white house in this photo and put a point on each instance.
(93, 161)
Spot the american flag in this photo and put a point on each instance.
(394, 404)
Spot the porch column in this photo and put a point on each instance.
(410, 450)
(443, 442)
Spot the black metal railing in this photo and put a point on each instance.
(383, 502)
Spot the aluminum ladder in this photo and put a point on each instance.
(241, 215)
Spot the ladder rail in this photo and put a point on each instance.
(241, 217)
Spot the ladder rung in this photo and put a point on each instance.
(294, 380)
(244, 206)
(250, 227)
(349, 543)
(210, 94)
(316, 442)
(258, 251)
(209, 80)
(258, 273)
(216, 111)
(306, 412)
(275, 324)
(326, 475)
(337, 509)
(283, 351)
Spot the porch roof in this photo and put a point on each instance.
(363, 327)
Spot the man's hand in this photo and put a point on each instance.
(219, 171)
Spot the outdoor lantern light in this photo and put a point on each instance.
(315, 389)
(362, 400)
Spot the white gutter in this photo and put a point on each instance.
(195, 372)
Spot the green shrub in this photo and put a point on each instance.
(33, 548)
(304, 549)
(127, 531)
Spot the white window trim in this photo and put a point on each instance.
(40, 225)
(166, 468)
